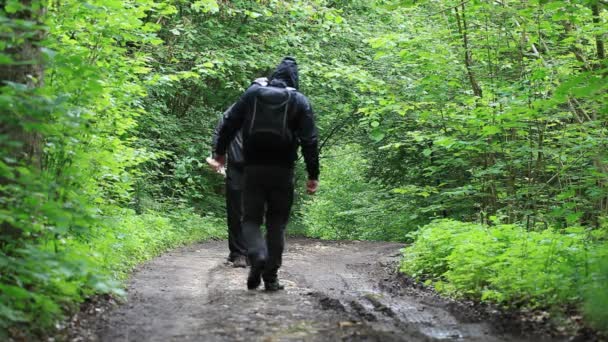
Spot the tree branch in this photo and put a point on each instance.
(451, 7)
(468, 59)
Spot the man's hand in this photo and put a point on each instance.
(217, 163)
(312, 186)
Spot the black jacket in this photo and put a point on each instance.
(235, 150)
(300, 122)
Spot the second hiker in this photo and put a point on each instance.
(234, 189)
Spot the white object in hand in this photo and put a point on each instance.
(216, 166)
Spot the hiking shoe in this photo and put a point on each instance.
(272, 286)
(240, 261)
(231, 257)
(255, 277)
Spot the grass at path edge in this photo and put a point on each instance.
(56, 277)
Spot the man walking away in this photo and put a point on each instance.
(273, 119)
(234, 188)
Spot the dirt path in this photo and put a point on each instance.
(334, 291)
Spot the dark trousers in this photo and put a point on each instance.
(234, 189)
(268, 192)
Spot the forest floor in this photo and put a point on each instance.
(335, 291)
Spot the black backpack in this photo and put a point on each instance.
(269, 129)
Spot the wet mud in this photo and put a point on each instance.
(334, 291)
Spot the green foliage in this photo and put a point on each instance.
(350, 206)
(508, 264)
(596, 298)
(40, 281)
(110, 107)
(211, 54)
(133, 239)
(71, 94)
(498, 110)
(432, 109)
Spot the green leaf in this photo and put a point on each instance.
(13, 6)
(12, 314)
(5, 59)
(205, 6)
(377, 134)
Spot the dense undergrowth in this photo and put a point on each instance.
(349, 206)
(75, 213)
(54, 277)
(483, 142)
(506, 264)
(107, 113)
(512, 266)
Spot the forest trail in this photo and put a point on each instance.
(335, 291)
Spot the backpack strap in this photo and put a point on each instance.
(255, 110)
(285, 112)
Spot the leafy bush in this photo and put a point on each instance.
(596, 298)
(507, 264)
(349, 205)
(41, 281)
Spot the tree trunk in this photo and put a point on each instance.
(599, 39)
(22, 146)
(468, 59)
(27, 69)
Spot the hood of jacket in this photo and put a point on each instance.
(286, 74)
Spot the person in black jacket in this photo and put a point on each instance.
(274, 121)
(234, 187)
